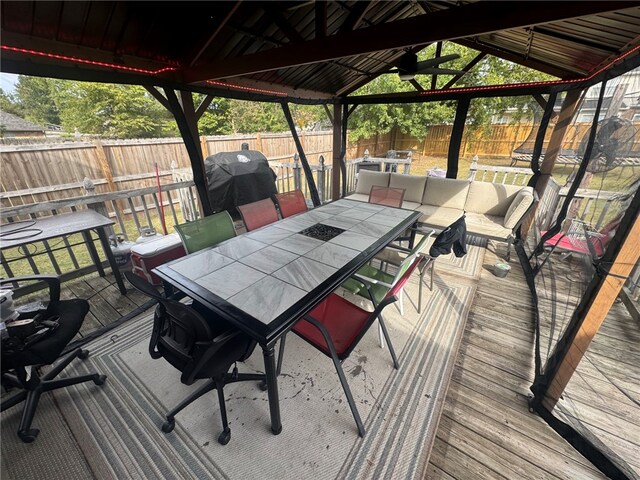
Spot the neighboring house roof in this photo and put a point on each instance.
(13, 123)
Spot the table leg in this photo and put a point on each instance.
(412, 237)
(272, 387)
(112, 261)
(93, 252)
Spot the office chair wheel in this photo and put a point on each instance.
(168, 425)
(263, 385)
(99, 379)
(28, 436)
(83, 355)
(224, 437)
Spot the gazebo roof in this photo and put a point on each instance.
(300, 50)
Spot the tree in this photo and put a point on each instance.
(35, 96)
(120, 111)
(9, 104)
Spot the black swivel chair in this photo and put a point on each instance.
(200, 345)
(70, 315)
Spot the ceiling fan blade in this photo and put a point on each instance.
(438, 71)
(437, 61)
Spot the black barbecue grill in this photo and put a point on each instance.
(238, 178)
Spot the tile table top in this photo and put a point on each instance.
(265, 272)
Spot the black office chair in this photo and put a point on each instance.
(200, 345)
(69, 315)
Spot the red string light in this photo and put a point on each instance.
(247, 89)
(88, 62)
(534, 84)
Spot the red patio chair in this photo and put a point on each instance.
(258, 214)
(389, 196)
(291, 203)
(336, 326)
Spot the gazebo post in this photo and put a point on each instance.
(453, 157)
(186, 117)
(336, 120)
(313, 191)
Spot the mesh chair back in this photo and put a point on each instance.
(389, 196)
(206, 232)
(291, 203)
(258, 214)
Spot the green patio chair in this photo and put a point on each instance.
(206, 232)
(379, 282)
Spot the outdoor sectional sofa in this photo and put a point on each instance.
(492, 210)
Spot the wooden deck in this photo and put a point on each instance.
(486, 431)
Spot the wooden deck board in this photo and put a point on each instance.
(486, 430)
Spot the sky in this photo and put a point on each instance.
(8, 82)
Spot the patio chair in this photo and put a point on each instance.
(582, 239)
(206, 232)
(291, 203)
(336, 326)
(62, 319)
(258, 214)
(389, 196)
(201, 346)
(370, 279)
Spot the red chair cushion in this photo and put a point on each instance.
(343, 320)
(560, 240)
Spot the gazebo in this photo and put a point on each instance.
(321, 53)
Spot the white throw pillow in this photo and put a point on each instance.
(520, 204)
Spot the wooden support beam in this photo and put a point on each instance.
(155, 93)
(355, 16)
(214, 32)
(337, 148)
(466, 69)
(184, 112)
(204, 104)
(600, 303)
(283, 24)
(434, 77)
(569, 109)
(321, 19)
(456, 137)
(416, 85)
(452, 23)
(540, 100)
(343, 149)
(328, 112)
(313, 191)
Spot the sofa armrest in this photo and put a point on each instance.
(527, 212)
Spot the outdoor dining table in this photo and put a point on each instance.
(263, 281)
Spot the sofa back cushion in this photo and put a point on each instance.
(413, 186)
(445, 192)
(367, 179)
(490, 198)
(518, 207)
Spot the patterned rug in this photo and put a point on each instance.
(117, 427)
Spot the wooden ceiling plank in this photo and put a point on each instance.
(283, 24)
(214, 33)
(516, 58)
(447, 24)
(355, 16)
(573, 39)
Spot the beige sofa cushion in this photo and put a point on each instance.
(438, 216)
(518, 207)
(445, 192)
(487, 225)
(367, 179)
(490, 198)
(413, 186)
(410, 205)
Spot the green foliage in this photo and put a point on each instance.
(35, 97)
(415, 119)
(9, 104)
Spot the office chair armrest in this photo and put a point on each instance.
(53, 281)
(208, 349)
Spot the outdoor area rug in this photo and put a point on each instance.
(117, 427)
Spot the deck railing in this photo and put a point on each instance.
(132, 211)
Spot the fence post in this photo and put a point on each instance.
(99, 207)
(321, 179)
(297, 178)
(473, 168)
